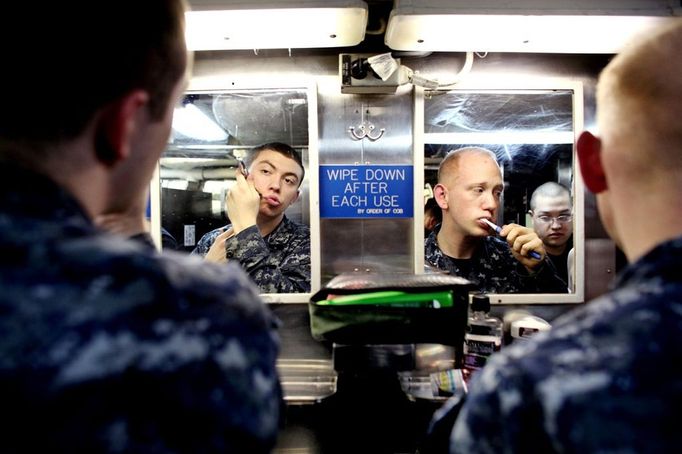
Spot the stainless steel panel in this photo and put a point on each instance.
(365, 245)
(339, 112)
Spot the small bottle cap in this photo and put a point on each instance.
(480, 302)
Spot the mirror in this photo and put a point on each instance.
(212, 131)
(531, 132)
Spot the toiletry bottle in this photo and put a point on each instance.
(523, 328)
(483, 336)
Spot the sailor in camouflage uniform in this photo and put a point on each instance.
(494, 269)
(106, 345)
(605, 378)
(468, 191)
(551, 209)
(273, 250)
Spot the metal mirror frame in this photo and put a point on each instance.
(310, 88)
(493, 85)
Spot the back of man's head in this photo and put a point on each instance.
(66, 60)
(639, 102)
(634, 166)
(278, 147)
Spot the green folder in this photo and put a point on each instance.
(393, 298)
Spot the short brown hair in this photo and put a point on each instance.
(71, 58)
(279, 147)
(449, 164)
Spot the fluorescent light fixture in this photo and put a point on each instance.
(216, 187)
(501, 137)
(226, 24)
(576, 26)
(192, 122)
(175, 184)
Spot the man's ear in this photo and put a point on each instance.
(589, 155)
(116, 126)
(440, 193)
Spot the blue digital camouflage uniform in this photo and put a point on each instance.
(494, 269)
(278, 262)
(108, 346)
(560, 261)
(605, 378)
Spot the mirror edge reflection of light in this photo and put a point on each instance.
(190, 121)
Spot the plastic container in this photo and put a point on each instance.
(391, 309)
(483, 335)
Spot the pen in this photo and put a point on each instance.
(498, 229)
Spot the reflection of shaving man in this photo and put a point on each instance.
(468, 191)
(272, 249)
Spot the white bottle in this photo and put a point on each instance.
(483, 336)
(525, 327)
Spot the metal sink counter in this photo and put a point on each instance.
(306, 381)
(353, 407)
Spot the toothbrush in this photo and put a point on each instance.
(498, 229)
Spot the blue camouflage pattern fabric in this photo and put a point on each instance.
(109, 346)
(605, 378)
(493, 268)
(278, 262)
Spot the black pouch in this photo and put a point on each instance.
(384, 319)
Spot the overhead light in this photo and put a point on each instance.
(228, 24)
(190, 121)
(576, 26)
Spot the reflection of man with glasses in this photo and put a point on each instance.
(552, 212)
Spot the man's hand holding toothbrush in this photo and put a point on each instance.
(525, 244)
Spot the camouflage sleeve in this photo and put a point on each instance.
(181, 359)
(544, 280)
(288, 272)
(145, 239)
(206, 241)
(500, 414)
(237, 383)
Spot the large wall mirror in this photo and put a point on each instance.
(532, 133)
(212, 131)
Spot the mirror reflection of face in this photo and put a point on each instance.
(473, 192)
(277, 178)
(553, 220)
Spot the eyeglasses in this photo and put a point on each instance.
(561, 219)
